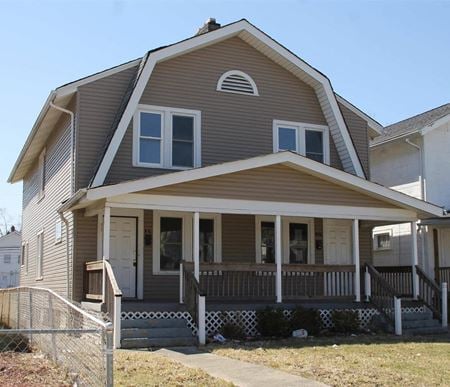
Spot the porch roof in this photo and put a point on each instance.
(292, 160)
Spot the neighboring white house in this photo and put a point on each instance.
(10, 255)
(413, 156)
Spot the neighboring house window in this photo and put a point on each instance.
(238, 82)
(7, 258)
(39, 254)
(41, 172)
(166, 138)
(58, 231)
(382, 241)
(308, 140)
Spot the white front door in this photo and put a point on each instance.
(337, 236)
(123, 253)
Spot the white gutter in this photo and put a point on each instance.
(422, 177)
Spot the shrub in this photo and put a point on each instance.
(271, 322)
(232, 331)
(308, 319)
(345, 321)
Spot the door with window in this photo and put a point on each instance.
(123, 253)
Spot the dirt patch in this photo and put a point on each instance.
(30, 369)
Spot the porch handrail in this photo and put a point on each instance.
(113, 300)
(399, 277)
(430, 293)
(194, 298)
(93, 280)
(384, 297)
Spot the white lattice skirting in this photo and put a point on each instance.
(247, 318)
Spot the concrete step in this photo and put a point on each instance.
(427, 315)
(426, 331)
(154, 323)
(420, 323)
(156, 332)
(92, 306)
(158, 342)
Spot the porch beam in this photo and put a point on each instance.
(278, 286)
(414, 260)
(356, 259)
(196, 245)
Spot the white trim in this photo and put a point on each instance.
(40, 255)
(300, 136)
(278, 258)
(166, 138)
(132, 213)
(202, 41)
(242, 74)
(375, 233)
(286, 158)
(251, 207)
(374, 125)
(356, 259)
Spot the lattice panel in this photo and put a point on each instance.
(244, 318)
(156, 315)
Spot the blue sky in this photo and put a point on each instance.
(390, 58)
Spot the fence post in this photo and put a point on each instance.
(109, 355)
(181, 284)
(398, 315)
(444, 291)
(201, 320)
(368, 289)
(50, 320)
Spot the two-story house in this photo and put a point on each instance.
(225, 152)
(10, 245)
(411, 157)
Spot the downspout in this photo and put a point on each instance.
(423, 197)
(61, 215)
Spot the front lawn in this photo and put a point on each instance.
(144, 368)
(352, 361)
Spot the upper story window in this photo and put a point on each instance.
(308, 140)
(41, 173)
(166, 137)
(236, 81)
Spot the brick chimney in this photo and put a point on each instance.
(210, 25)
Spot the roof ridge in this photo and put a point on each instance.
(417, 115)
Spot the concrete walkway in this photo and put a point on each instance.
(237, 372)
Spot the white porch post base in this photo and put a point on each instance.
(367, 285)
(201, 320)
(117, 320)
(356, 262)
(196, 245)
(181, 284)
(398, 316)
(278, 285)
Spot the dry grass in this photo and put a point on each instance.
(143, 368)
(353, 361)
(30, 369)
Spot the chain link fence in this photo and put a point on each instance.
(37, 319)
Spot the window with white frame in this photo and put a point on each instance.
(39, 254)
(7, 258)
(41, 173)
(308, 140)
(172, 240)
(382, 241)
(58, 231)
(166, 137)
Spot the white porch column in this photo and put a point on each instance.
(414, 260)
(357, 286)
(196, 245)
(106, 242)
(278, 262)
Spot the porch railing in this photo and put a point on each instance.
(385, 298)
(400, 278)
(443, 275)
(93, 280)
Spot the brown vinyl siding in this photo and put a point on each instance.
(238, 238)
(273, 183)
(358, 132)
(42, 215)
(98, 104)
(233, 126)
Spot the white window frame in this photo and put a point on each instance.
(167, 114)
(242, 74)
(58, 231)
(301, 128)
(375, 240)
(39, 255)
(41, 172)
(24, 258)
(187, 224)
(285, 222)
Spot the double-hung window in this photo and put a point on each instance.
(308, 140)
(166, 137)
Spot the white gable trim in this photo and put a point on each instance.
(291, 159)
(326, 94)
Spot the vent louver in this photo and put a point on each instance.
(237, 82)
